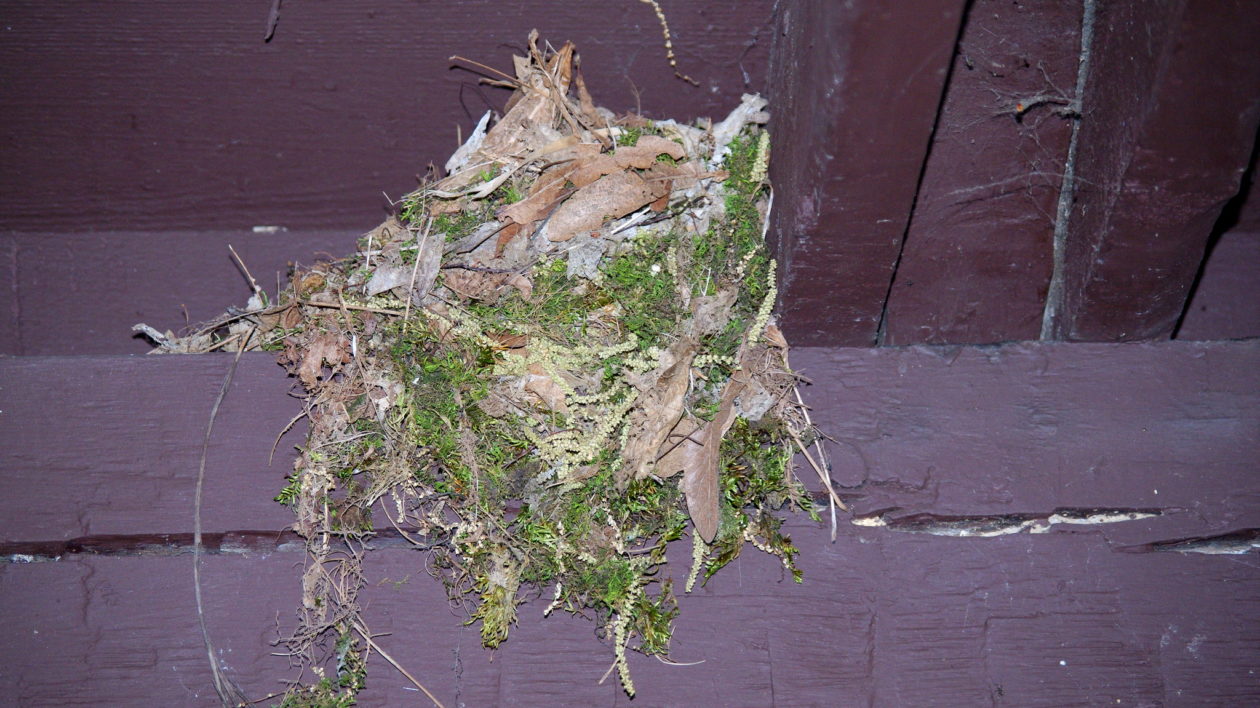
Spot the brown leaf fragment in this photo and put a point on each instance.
(308, 283)
(700, 480)
(610, 197)
(681, 449)
(387, 277)
(585, 102)
(657, 413)
(507, 340)
(546, 389)
(588, 169)
(291, 317)
(774, 337)
(523, 285)
(643, 154)
(505, 237)
(330, 349)
(475, 284)
(425, 269)
(547, 191)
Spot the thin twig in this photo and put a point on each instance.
(367, 638)
(348, 306)
(253, 284)
(229, 694)
(491, 69)
(284, 430)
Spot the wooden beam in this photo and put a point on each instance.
(1169, 116)
(80, 293)
(977, 259)
(854, 104)
(179, 116)
(111, 445)
(940, 593)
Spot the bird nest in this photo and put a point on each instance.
(542, 369)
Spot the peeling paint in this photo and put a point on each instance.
(1000, 525)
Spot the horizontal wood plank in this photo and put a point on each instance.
(902, 609)
(75, 293)
(111, 445)
(177, 114)
(882, 618)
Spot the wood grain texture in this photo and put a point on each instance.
(1170, 114)
(1224, 303)
(897, 614)
(177, 115)
(80, 293)
(111, 445)
(854, 105)
(123, 631)
(977, 258)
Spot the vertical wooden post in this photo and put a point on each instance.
(1169, 116)
(855, 89)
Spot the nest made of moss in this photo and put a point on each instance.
(540, 370)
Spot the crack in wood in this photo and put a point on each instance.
(1236, 543)
(988, 526)
(176, 544)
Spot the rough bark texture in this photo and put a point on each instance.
(856, 103)
(903, 609)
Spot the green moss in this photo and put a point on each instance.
(630, 137)
(639, 280)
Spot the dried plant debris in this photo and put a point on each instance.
(542, 369)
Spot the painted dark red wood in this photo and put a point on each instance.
(1170, 113)
(855, 106)
(111, 445)
(80, 293)
(177, 115)
(978, 254)
(1225, 304)
(888, 615)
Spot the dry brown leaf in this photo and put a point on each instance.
(546, 389)
(330, 349)
(585, 102)
(548, 190)
(291, 317)
(509, 341)
(387, 277)
(309, 282)
(700, 480)
(506, 234)
(659, 408)
(643, 154)
(681, 449)
(610, 197)
(774, 337)
(428, 261)
(523, 285)
(473, 284)
(586, 170)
